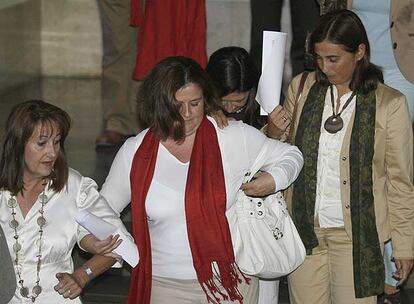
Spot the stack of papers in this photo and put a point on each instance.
(102, 229)
(273, 59)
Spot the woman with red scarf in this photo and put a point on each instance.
(181, 176)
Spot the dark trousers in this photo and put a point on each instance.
(266, 15)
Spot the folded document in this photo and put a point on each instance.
(102, 229)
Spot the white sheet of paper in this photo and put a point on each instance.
(102, 229)
(273, 59)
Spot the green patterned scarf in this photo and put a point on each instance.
(367, 258)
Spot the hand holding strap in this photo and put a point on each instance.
(257, 164)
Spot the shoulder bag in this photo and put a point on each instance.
(265, 240)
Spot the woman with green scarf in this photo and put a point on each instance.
(355, 191)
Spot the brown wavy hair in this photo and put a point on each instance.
(21, 123)
(156, 96)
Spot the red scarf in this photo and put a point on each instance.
(205, 207)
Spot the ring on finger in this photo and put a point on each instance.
(284, 118)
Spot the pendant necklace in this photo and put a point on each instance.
(334, 123)
(14, 224)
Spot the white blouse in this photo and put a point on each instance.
(328, 203)
(60, 235)
(239, 144)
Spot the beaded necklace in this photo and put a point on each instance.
(14, 224)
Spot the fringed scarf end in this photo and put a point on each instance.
(235, 273)
(229, 279)
(212, 292)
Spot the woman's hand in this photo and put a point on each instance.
(403, 270)
(263, 184)
(221, 119)
(277, 122)
(105, 247)
(69, 286)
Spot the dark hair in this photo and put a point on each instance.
(233, 70)
(20, 125)
(157, 95)
(344, 28)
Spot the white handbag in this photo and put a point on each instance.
(265, 240)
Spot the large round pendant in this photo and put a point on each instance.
(334, 124)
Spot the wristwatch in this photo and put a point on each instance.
(87, 270)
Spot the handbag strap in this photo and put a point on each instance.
(295, 108)
(257, 164)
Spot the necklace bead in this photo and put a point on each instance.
(14, 224)
(17, 247)
(43, 198)
(41, 221)
(24, 291)
(39, 243)
(12, 203)
(37, 290)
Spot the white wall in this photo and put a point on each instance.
(19, 42)
(71, 38)
(228, 24)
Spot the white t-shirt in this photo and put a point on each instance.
(165, 209)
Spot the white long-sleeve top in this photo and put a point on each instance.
(239, 144)
(60, 234)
